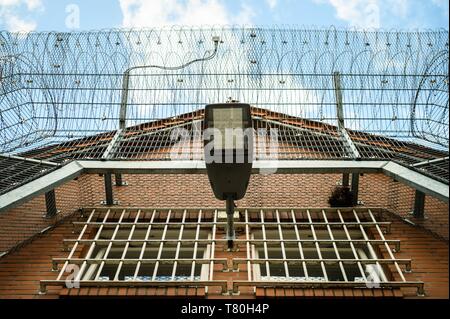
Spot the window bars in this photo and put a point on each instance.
(285, 247)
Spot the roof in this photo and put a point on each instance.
(299, 139)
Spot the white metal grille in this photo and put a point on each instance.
(284, 247)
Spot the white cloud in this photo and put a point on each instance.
(442, 4)
(400, 8)
(142, 13)
(272, 3)
(10, 18)
(358, 13)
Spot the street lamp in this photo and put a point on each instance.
(228, 148)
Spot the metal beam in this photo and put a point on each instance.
(433, 161)
(68, 172)
(340, 116)
(348, 141)
(355, 188)
(419, 204)
(108, 190)
(198, 167)
(31, 160)
(345, 179)
(40, 186)
(50, 204)
(417, 181)
(112, 144)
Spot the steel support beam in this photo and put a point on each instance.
(198, 167)
(352, 150)
(119, 180)
(419, 204)
(112, 144)
(41, 185)
(345, 179)
(418, 181)
(108, 190)
(355, 188)
(50, 204)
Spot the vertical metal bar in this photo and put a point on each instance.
(324, 270)
(300, 246)
(177, 252)
(144, 245)
(125, 249)
(108, 190)
(391, 255)
(92, 246)
(370, 248)
(345, 179)
(108, 249)
(213, 246)
(338, 96)
(119, 180)
(197, 236)
(419, 204)
(266, 252)
(336, 251)
(247, 238)
(75, 246)
(230, 222)
(352, 246)
(50, 204)
(161, 245)
(355, 188)
(256, 268)
(283, 248)
(124, 100)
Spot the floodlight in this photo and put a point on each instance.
(228, 139)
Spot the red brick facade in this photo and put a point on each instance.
(279, 190)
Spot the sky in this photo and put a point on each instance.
(72, 15)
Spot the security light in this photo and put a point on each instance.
(228, 138)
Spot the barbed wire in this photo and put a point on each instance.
(58, 87)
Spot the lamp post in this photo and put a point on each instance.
(228, 141)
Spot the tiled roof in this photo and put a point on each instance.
(297, 139)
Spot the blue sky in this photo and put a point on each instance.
(72, 15)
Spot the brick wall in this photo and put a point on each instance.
(21, 223)
(306, 190)
(278, 190)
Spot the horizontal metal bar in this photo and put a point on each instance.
(198, 167)
(102, 209)
(330, 284)
(237, 261)
(210, 224)
(122, 283)
(30, 160)
(47, 182)
(254, 241)
(133, 261)
(433, 161)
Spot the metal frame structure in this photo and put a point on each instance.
(348, 230)
(50, 181)
(328, 94)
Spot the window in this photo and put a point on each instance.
(300, 248)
